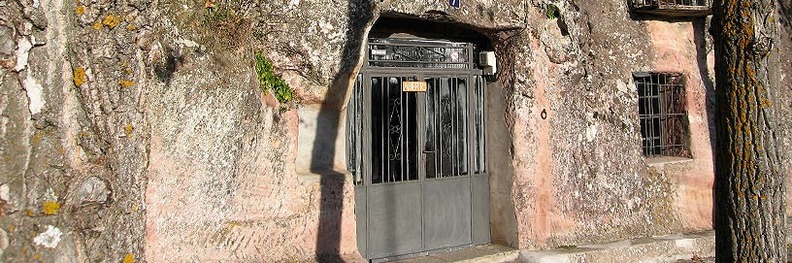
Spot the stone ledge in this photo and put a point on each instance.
(657, 249)
(477, 254)
(666, 160)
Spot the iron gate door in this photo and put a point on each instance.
(418, 158)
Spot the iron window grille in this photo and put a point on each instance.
(454, 119)
(390, 53)
(662, 114)
(679, 8)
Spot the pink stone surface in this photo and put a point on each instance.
(675, 51)
(267, 216)
(554, 206)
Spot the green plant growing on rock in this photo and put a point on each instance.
(270, 81)
(552, 12)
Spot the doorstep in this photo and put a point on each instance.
(477, 254)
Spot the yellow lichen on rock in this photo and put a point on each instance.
(111, 21)
(80, 10)
(79, 76)
(97, 26)
(126, 83)
(50, 207)
(128, 129)
(129, 258)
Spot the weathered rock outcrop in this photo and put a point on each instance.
(136, 129)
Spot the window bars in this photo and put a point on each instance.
(394, 138)
(453, 129)
(662, 113)
(437, 134)
(670, 3)
(677, 8)
(391, 53)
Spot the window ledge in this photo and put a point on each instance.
(663, 160)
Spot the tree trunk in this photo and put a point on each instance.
(749, 180)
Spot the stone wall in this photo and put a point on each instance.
(136, 130)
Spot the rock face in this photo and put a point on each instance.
(136, 129)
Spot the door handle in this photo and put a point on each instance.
(428, 152)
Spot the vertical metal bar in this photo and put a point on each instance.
(438, 115)
(420, 108)
(483, 90)
(468, 145)
(366, 129)
(367, 154)
(453, 112)
(479, 120)
(359, 128)
(644, 136)
(352, 131)
(647, 116)
(452, 89)
(661, 98)
(452, 92)
(388, 112)
(458, 112)
(439, 128)
(652, 112)
(360, 125)
(470, 105)
(403, 129)
(641, 102)
(384, 129)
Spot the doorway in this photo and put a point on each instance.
(416, 148)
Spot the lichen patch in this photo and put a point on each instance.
(49, 238)
(79, 77)
(50, 207)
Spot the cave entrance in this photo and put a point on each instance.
(416, 136)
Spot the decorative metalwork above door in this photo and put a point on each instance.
(399, 53)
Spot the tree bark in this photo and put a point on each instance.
(749, 216)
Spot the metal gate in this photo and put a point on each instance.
(416, 147)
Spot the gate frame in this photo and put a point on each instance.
(473, 74)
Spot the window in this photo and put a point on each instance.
(662, 113)
(673, 8)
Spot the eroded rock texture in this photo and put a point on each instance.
(136, 130)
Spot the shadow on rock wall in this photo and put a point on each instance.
(785, 12)
(703, 47)
(360, 12)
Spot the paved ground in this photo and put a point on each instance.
(663, 249)
(712, 259)
(697, 260)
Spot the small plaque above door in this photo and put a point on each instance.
(414, 86)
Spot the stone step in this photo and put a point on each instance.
(669, 248)
(476, 254)
(695, 247)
